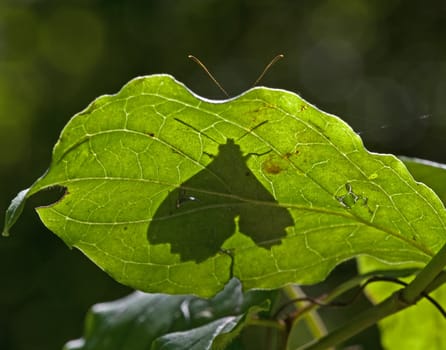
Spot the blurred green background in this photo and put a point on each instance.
(380, 65)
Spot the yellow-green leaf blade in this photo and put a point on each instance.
(169, 192)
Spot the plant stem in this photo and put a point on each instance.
(312, 318)
(356, 281)
(425, 277)
(366, 319)
(437, 282)
(267, 324)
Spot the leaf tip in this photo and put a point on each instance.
(6, 227)
(14, 210)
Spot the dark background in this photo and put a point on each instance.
(380, 65)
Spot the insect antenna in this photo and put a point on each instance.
(252, 129)
(197, 61)
(268, 66)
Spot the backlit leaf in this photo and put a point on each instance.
(167, 191)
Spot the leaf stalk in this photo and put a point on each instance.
(413, 292)
(366, 319)
(311, 317)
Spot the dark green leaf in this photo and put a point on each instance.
(200, 338)
(136, 321)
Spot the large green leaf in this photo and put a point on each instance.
(170, 192)
(143, 321)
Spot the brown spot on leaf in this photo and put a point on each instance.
(288, 155)
(274, 165)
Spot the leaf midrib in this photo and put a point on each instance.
(326, 211)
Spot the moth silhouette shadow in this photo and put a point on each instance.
(200, 215)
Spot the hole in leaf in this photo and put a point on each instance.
(49, 196)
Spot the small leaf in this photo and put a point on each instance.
(167, 191)
(200, 338)
(139, 320)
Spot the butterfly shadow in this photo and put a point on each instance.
(196, 218)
